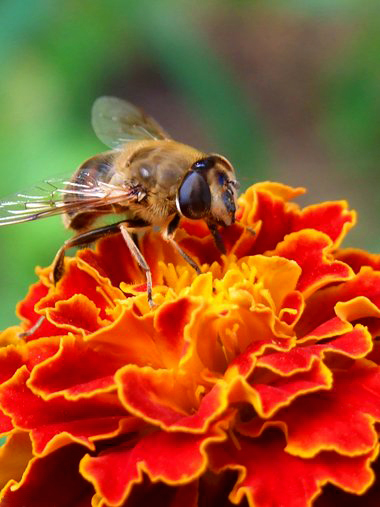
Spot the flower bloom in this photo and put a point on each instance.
(254, 383)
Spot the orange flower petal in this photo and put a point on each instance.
(29, 354)
(30, 314)
(160, 341)
(15, 455)
(112, 259)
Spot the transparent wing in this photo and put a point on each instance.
(116, 122)
(57, 196)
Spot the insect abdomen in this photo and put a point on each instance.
(94, 170)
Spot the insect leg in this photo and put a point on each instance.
(57, 270)
(168, 235)
(85, 238)
(33, 329)
(133, 248)
(81, 239)
(217, 238)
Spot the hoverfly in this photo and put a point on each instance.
(148, 178)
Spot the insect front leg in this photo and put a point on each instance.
(169, 236)
(217, 238)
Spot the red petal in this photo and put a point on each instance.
(309, 249)
(170, 322)
(333, 497)
(77, 314)
(358, 258)
(175, 458)
(51, 481)
(77, 280)
(303, 369)
(78, 368)
(29, 354)
(276, 218)
(112, 259)
(355, 299)
(5, 423)
(355, 344)
(270, 476)
(58, 421)
(203, 251)
(26, 310)
(332, 218)
(12, 358)
(157, 396)
(319, 421)
(328, 329)
(268, 397)
(292, 307)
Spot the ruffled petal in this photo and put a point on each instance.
(42, 484)
(332, 218)
(78, 369)
(175, 458)
(57, 422)
(15, 455)
(319, 421)
(312, 252)
(296, 482)
(167, 400)
(357, 258)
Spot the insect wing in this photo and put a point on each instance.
(116, 122)
(57, 196)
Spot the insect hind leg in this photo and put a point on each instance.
(84, 239)
(79, 240)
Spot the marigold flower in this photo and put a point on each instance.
(254, 383)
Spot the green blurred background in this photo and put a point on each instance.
(287, 90)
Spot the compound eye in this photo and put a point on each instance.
(194, 196)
